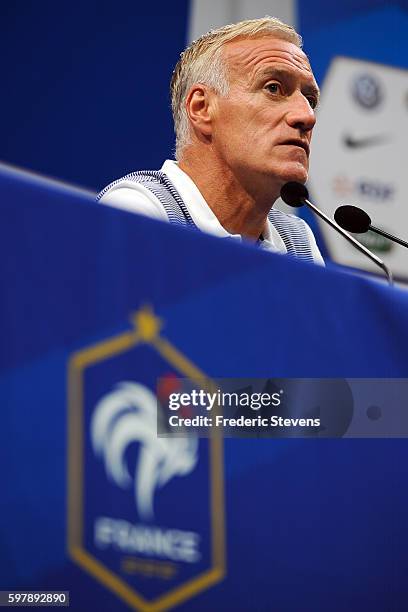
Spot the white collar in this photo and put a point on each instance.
(203, 216)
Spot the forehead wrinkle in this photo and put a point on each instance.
(247, 58)
(280, 70)
(278, 59)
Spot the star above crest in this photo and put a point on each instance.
(147, 324)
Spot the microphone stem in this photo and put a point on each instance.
(377, 230)
(352, 240)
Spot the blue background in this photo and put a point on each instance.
(85, 85)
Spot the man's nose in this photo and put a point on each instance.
(301, 115)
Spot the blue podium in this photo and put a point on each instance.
(97, 305)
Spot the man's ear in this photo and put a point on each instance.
(200, 106)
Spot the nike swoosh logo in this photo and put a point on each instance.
(358, 143)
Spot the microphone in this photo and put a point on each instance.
(295, 194)
(356, 220)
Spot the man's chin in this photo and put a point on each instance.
(298, 174)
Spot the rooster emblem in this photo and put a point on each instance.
(129, 414)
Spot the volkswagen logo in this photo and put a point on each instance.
(366, 91)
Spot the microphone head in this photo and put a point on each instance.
(352, 219)
(294, 194)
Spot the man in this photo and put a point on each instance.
(243, 100)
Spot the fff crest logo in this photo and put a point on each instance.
(145, 513)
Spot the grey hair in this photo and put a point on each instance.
(202, 62)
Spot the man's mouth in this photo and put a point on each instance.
(298, 142)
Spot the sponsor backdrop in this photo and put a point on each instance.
(359, 51)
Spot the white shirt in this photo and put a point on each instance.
(134, 197)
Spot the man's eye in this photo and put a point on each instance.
(312, 101)
(273, 87)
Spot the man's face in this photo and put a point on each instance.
(263, 127)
